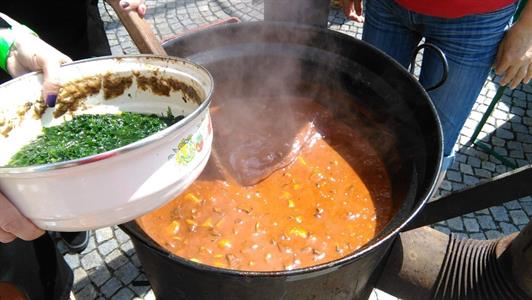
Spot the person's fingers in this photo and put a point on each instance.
(142, 10)
(508, 76)
(528, 77)
(136, 5)
(50, 87)
(12, 222)
(502, 65)
(21, 227)
(519, 76)
(353, 10)
(348, 7)
(6, 237)
(51, 69)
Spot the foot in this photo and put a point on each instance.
(75, 242)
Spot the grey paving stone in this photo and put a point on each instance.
(499, 114)
(91, 260)
(461, 235)
(483, 173)
(443, 229)
(127, 247)
(99, 275)
(72, 260)
(460, 157)
(455, 224)
(483, 212)
(107, 247)
(80, 279)
(504, 134)
(527, 88)
(508, 228)
(512, 205)
(499, 213)
(471, 180)
(500, 169)
(90, 246)
(103, 234)
(516, 110)
(487, 165)
(454, 176)
(522, 162)
(110, 287)
(471, 225)
(526, 204)
(446, 185)
(466, 169)
(513, 145)
(498, 141)
(516, 120)
(524, 137)
(123, 294)
(127, 273)
(519, 95)
(501, 151)
(486, 222)
(88, 292)
(519, 128)
(517, 154)
(473, 161)
(458, 186)
(121, 236)
(135, 260)
(475, 116)
(483, 156)
(116, 259)
(477, 236)
(493, 234)
(150, 296)
(140, 290)
(519, 217)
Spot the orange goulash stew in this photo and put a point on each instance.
(325, 202)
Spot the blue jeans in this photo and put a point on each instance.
(469, 43)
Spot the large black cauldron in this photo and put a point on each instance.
(269, 59)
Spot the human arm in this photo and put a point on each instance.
(353, 10)
(29, 53)
(26, 52)
(514, 56)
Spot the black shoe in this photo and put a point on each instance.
(75, 242)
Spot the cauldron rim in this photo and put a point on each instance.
(131, 227)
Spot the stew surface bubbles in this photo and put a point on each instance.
(288, 186)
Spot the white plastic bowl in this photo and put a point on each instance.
(119, 185)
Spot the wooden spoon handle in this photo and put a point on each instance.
(139, 30)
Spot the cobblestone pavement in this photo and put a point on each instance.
(109, 267)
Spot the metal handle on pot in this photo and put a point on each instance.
(440, 55)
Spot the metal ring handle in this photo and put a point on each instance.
(440, 55)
